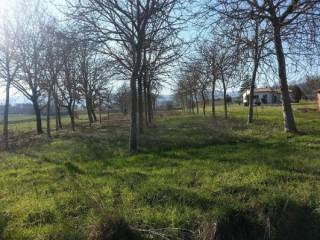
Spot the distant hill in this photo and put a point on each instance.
(164, 100)
(14, 99)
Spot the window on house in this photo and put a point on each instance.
(264, 99)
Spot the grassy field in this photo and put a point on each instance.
(193, 176)
(24, 123)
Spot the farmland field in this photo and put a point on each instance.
(191, 175)
(22, 123)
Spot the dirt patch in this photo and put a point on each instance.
(112, 227)
(305, 110)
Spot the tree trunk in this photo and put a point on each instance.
(204, 103)
(37, 112)
(225, 98)
(289, 122)
(145, 102)
(6, 116)
(133, 138)
(58, 118)
(187, 103)
(257, 56)
(150, 110)
(192, 103)
(89, 109)
(213, 99)
(197, 102)
(49, 113)
(140, 104)
(94, 116)
(73, 124)
(71, 115)
(58, 112)
(251, 96)
(183, 106)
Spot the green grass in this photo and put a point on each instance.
(25, 123)
(190, 171)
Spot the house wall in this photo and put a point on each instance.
(269, 97)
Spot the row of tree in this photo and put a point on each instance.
(61, 64)
(51, 67)
(247, 38)
(141, 39)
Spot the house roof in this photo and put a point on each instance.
(266, 90)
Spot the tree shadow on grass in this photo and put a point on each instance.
(177, 140)
(3, 224)
(283, 221)
(291, 221)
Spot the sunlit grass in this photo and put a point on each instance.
(190, 170)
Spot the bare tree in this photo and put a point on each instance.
(68, 85)
(31, 52)
(93, 76)
(53, 65)
(209, 55)
(127, 25)
(192, 84)
(122, 98)
(251, 38)
(225, 62)
(8, 67)
(288, 20)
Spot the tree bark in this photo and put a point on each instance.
(58, 118)
(192, 103)
(289, 122)
(204, 103)
(257, 55)
(140, 104)
(150, 109)
(94, 116)
(133, 138)
(89, 109)
(197, 102)
(49, 113)
(37, 112)
(71, 115)
(225, 98)
(251, 96)
(187, 103)
(57, 111)
(145, 102)
(213, 106)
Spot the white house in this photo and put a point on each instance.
(263, 96)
